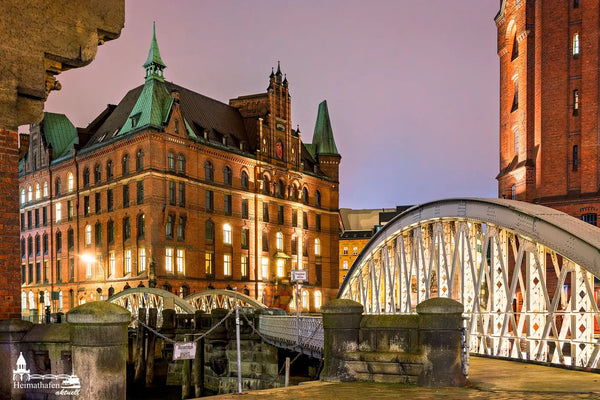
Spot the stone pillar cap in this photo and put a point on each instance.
(15, 325)
(440, 305)
(98, 312)
(342, 306)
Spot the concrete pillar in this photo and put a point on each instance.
(440, 324)
(99, 349)
(11, 333)
(341, 325)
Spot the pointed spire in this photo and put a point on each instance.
(323, 141)
(285, 81)
(272, 73)
(278, 68)
(154, 64)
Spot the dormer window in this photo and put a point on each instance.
(135, 119)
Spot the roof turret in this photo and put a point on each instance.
(323, 141)
(154, 65)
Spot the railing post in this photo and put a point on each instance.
(341, 326)
(440, 336)
(99, 349)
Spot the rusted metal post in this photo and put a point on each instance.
(140, 362)
(152, 318)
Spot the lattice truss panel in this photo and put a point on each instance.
(219, 298)
(522, 299)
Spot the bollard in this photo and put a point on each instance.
(341, 326)
(99, 349)
(440, 324)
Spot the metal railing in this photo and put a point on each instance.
(304, 334)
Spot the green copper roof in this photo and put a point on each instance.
(60, 133)
(154, 103)
(323, 141)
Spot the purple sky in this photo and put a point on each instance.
(412, 86)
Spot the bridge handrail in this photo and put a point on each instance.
(285, 329)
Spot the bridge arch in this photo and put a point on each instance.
(525, 274)
(221, 298)
(134, 298)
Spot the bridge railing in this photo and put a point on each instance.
(304, 334)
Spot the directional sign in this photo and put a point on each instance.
(299, 275)
(184, 351)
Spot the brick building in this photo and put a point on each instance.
(175, 190)
(549, 104)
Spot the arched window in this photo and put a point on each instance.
(209, 231)
(58, 242)
(181, 164)
(125, 164)
(23, 301)
(245, 180)
(171, 161)
(97, 173)
(318, 299)
(279, 241)
(60, 299)
(141, 226)
(57, 186)
(23, 197)
(169, 226)
(294, 193)
(88, 235)
(266, 185)
(345, 264)
(45, 192)
(576, 45)
(354, 251)
(305, 299)
(139, 164)
(227, 234)
(318, 198)
(109, 170)
(317, 247)
(208, 171)
(305, 195)
(37, 191)
(31, 300)
(227, 176)
(280, 187)
(29, 194)
(86, 177)
(70, 182)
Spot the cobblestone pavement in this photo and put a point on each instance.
(488, 379)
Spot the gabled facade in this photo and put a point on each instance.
(549, 107)
(175, 190)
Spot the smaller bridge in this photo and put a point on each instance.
(220, 298)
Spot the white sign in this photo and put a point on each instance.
(299, 275)
(184, 351)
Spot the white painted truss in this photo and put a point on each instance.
(221, 298)
(524, 273)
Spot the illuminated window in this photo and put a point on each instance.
(575, 102)
(58, 212)
(294, 245)
(29, 194)
(318, 299)
(355, 251)
(23, 198)
(37, 191)
(31, 300)
(264, 272)
(317, 247)
(227, 264)
(576, 45)
(60, 299)
(169, 259)
(345, 265)
(180, 261)
(127, 266)
(280, 268)
(23, 301)
(88, 270)
(227, 234)
(244, 267)
(45, 190)
(111, 263)
(142, 259)
(88, 235)
(345, 251)
(209, 263)
(70, 182)
(279, 241)
(305, 299)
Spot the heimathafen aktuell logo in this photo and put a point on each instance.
(60, 385)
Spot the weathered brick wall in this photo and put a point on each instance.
(10, 282)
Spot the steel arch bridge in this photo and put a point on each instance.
(221, 298)
(134, 298)
(525, 274)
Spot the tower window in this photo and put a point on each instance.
(575, 157)
(516, 142)
(515, 104)
(576, 45)
(515, 49)
(575, 3)
(575, 102)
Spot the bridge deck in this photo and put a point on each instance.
(489, 379)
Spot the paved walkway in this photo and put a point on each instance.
(488, 379)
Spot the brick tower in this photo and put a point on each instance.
(549, 104)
